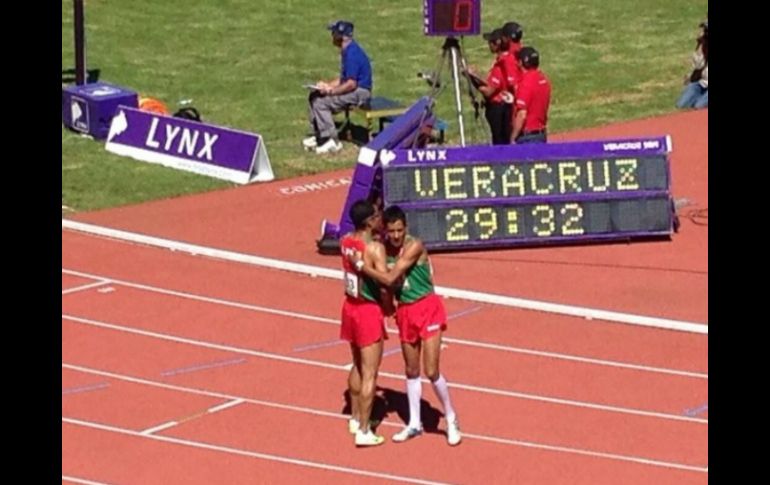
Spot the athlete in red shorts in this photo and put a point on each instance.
(420, 317)
(362, 319)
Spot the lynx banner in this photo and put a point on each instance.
(183, 144)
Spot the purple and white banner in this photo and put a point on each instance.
(227, 154)
(618, 147)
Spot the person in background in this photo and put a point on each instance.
(496, 91)
(533, 98)
(696, 91)
(352, 88)
(513, 33)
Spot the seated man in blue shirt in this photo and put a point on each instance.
(352, 88)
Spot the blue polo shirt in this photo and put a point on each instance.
(356, 65)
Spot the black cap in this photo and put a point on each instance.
(495, 35)
(341, 28)
(512, 30)
(529, 57)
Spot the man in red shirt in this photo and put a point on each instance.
(513, 34)
(497, 92)
(533, 98)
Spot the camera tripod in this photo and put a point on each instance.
(452, 55)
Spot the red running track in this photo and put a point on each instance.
(605, 429)
(180, 369)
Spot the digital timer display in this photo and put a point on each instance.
(451, 17)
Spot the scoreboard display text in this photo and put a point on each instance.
(525, 195)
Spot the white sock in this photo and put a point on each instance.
(442, 391)
(414, 392)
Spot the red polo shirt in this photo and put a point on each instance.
(496, 79)
(513, 49)
(510, 68)
(534, 95)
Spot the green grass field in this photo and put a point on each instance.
(243, 62)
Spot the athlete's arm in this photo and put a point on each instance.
(375, 251)
(412, 253)
(374, 256)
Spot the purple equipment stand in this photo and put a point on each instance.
(89, 108)
(367, 176)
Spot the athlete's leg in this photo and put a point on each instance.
(354, 387)
(431, 359)
(411, 354)
(369, 365)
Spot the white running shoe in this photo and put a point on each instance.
(310, 143)
(368, 438)
(353, 425)
(331, 146)
(453, 435)
(406, 434)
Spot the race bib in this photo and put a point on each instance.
(351, 285)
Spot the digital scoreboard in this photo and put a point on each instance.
(509, 195)
(450, 18)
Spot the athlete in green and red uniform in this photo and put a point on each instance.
(420, 317)
(363, 323)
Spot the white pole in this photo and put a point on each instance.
(456, 77)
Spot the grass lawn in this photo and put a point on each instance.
(243, 63)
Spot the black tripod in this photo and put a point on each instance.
(452, 55)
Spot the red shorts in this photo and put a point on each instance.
(420, 320)
(362, 322)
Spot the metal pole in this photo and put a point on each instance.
(456, 78)
(80, 43)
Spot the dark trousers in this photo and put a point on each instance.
(499, 117)
(532, 137)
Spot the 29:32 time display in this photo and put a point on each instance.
(538, 220)
(543, 216)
